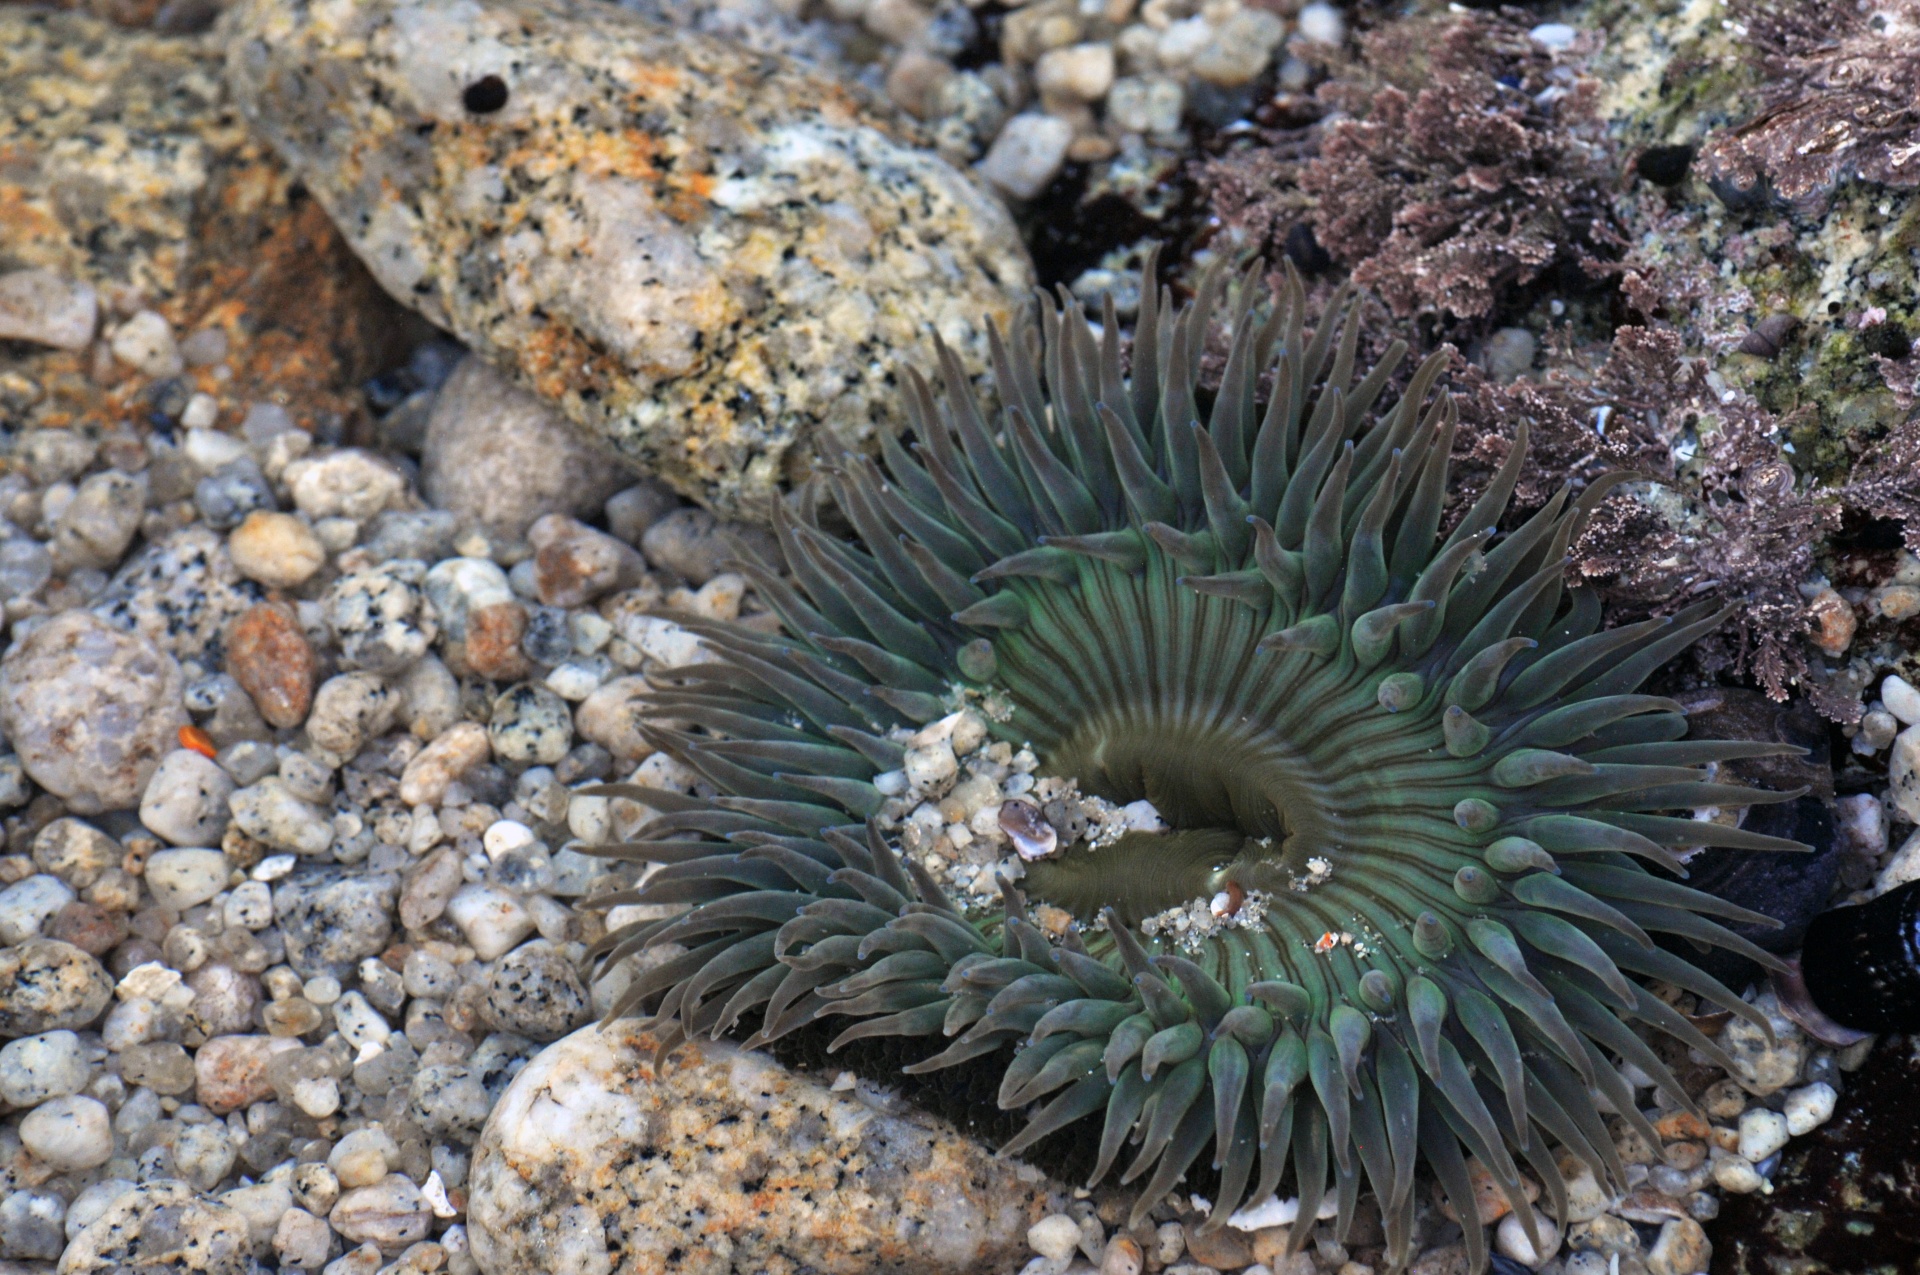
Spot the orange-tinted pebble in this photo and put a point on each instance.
(198, 740)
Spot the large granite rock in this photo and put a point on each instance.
(714, 259)
(725, 1162)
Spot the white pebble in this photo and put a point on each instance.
(146, 342)
(362, 1157)
(249, 906)
(1028, 152)
(1323, 24)
(1055, 1236)
(53, 1065)
(1553, 36)
(1762, 1132)
(1737, 1174)
(1903, 773)
(185, 802)
(504, 836)
(1511, 1239)
(319, 1097)
(1809, 1108)
(181, 879)
(491, 920)
(201, 412)
(1863, 823)
(1901, 699)
(27, 905)
(70, 1134)
(274, 866)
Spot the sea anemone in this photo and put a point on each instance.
(1384, 904)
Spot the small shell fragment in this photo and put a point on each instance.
(1028, 829)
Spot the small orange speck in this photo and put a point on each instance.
(1327, 942)
(196, 739)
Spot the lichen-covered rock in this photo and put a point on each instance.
(722, 1162)
(163, 1227)
(710, 258)
(90, 710)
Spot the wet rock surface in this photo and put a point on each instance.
(730, 294)
(724, 1162)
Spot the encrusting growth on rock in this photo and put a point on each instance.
(1414, 747)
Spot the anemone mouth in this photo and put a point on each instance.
(1410, 767)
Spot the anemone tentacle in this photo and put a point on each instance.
(1416, 747)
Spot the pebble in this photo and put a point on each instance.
(1736, 1174)
(1322, 23)
(186, 800)
(361, 1158)
(1682, 1249)
(1902, 866)
(276, 549)
(92, 1202)
(1760, 1067)
(1056, 1237)
(491, 919)
(573, 564)
(1834, 622)
(1508, 354)
(98, 524)
(231, 493)
(26, 906)
(47, 985)
(181, 879)
(1901, 699)
(203, 1154)
(1553, 36)
(90, 710)
(503, 456)
(267, 812)
(70, 1133)
(608, 717)
(379, 617)
(1239, 48)
(1808, 1108)
(1877, 729)
(183, 593)
(494, 638)
(47, 309)
(36, 1068)
(619, 296)
(302, 1240)
(531, 724)
(1147, 103)
(390, 1214)
(350, 710)
(1080, 71)
(452, 753)
(1510, 1238)
(146, 342)
(545, 1195)
(163, 1228)
(535, 992)
(332, 920)
(1762, 1132)
(1027, 154)
(345, 483)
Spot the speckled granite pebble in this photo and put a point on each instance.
(163, 1227)
(728, 1163)
(708, 257)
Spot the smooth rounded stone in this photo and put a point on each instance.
(47, 985)
(92, 1202)
(263, 1205)
(267, 811)
(390, 1214)
(163, 1228)
(225, 1000)
(1322, 23)
(232, 493)
(345, 483)
(70, 1133)
(75, 852)
(145, 342)
(272, 660)
(704, 325)
(159, 1065)
(1082, 71)
(631, 511)
(491, 919)
(32, 1226)
(351, 709)
(90, 710)
(36, 1068)
(610, 718)
(1762, 1132)
(332, 920)
(186, 800)
(1682, 1249)
(301, 1240)
(590, 1142)
(1903, 773)
(1508, 354)
(47, 309)
(531, 724)
(573, 564)
(184, 593)
(181, 879)
(203, 1154)
(1901, 699)
(1510, 1238)
(276, 549)
(535, 992)
(1240, 48)
(452, 753)
(1027, 154)
(1809, 1108)
(379, 617)
(503, 456)
(459, 586)
(26, 906)
(1055, 1237)
(99, 522)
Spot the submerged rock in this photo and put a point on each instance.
(594, 1160)
(710, 258)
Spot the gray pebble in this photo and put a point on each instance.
(378, 617)
(186, 800)
(268, 812)
(535, 992)
(331, 920)
(686, 542)
(26, 906)
(33, 1224)
(36, 1068)
(631, 511)
(75, 852)
(163, 1228)
(227, 495)
(99, 522)
(47, 309)
(47, 985)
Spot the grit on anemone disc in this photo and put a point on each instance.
(1410, 761)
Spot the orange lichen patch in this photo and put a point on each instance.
(558, 361)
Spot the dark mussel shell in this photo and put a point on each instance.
(1862, 964)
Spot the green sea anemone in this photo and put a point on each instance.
(1407, 781)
